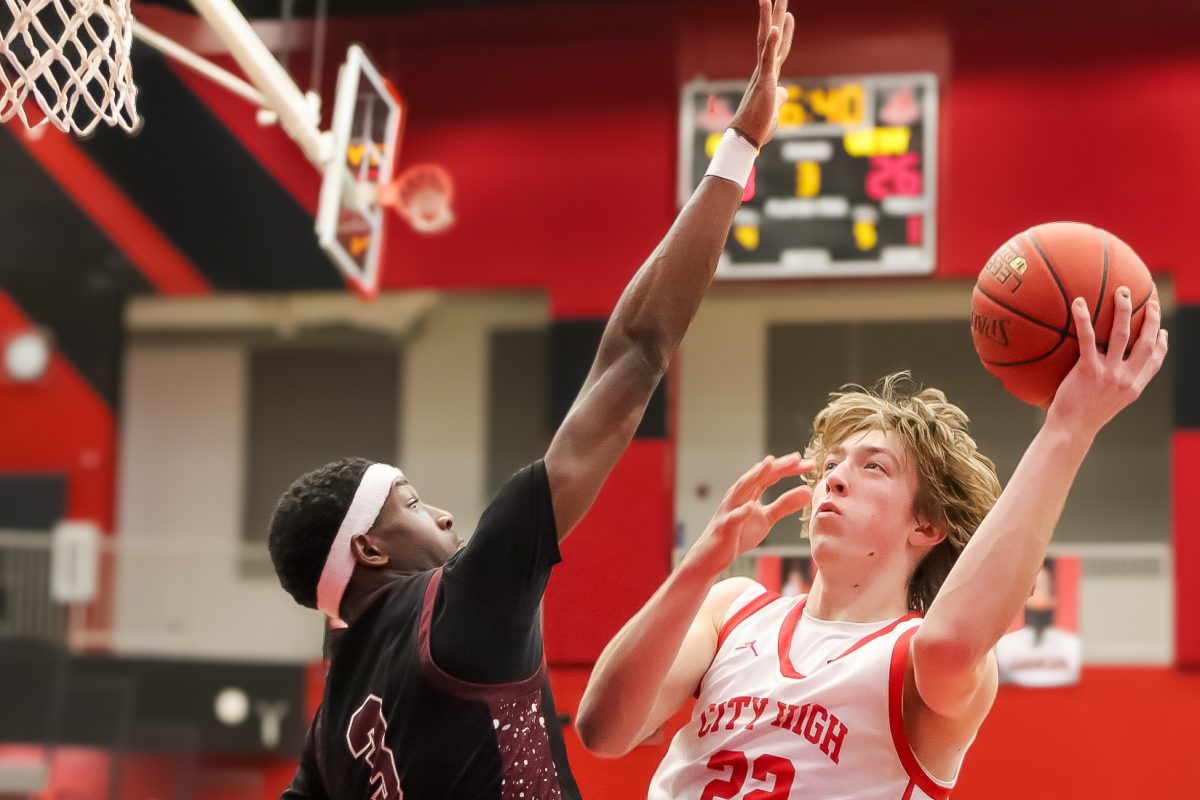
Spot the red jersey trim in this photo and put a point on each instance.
(788, 630)
(916, 772)
(745, 612)
(466, 690)
(881, 632)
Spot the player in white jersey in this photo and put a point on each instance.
(874, 684)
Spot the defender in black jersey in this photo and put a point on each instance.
(440, 679)
(437, 685)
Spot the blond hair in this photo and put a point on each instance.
(956, 484)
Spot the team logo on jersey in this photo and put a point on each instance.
(365, 735)
(747, 646)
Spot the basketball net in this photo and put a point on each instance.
(421, 195)
(71, 58)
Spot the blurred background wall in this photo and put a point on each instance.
(204, 353)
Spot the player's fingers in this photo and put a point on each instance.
(1147, 338)
(780, 12)
(764, 22)
(769, 56)
(743, 488)
(1083, 329)
(789, 29)
(1153, 363)
(790, 466)
(732, 497)
(793, 501)
(1118, 338)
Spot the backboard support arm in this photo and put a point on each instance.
(270, 86)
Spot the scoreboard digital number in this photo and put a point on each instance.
(846, 188)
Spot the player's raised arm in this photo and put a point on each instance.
(658, 658)
(660, 301)
(989, 584)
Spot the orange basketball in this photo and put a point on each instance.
(1021, 307)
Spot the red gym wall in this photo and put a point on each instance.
(559, 127)
(1025, 99)
(563, 147)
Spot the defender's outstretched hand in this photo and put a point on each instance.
(1101, 384)
(758, 114)
(742, 521)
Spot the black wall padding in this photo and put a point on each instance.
(573, 346)
(32, 678)
(1185, 350)
(113, 702)
(32, 502)
(210, 196)
(61, 270)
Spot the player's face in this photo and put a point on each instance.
(414, 534)
(862, 503)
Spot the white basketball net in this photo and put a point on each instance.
(71, 57)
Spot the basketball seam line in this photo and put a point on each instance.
(1103, 279)
(1061, 288)
(1023, 362)
(1021, 314)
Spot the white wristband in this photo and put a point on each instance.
(734, 159)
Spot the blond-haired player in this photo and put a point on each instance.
(874, 684)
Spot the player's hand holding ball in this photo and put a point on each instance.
(1102, 383)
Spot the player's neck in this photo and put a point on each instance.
(361, 591)
(865, 598)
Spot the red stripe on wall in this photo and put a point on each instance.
(616, 557)
(167, 269)
(59, 424)
(1185, 458)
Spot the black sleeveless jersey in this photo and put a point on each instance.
(439, 689)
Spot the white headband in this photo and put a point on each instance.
(339, 564)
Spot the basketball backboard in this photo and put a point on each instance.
(368, 115)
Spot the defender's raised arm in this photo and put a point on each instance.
(660, 301)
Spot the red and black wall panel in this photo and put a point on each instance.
(208, 194)
(61, 270)
(621, 551)
(1185, 471)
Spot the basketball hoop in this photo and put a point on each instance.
(71, 57)
(422, 195)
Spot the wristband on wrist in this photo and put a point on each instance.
(733, 159)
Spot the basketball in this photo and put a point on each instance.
(1021, 306)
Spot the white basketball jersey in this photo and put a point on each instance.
(796, 708)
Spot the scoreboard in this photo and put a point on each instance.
(846, 188)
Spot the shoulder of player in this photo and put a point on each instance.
(723, 595)
(524, 489)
